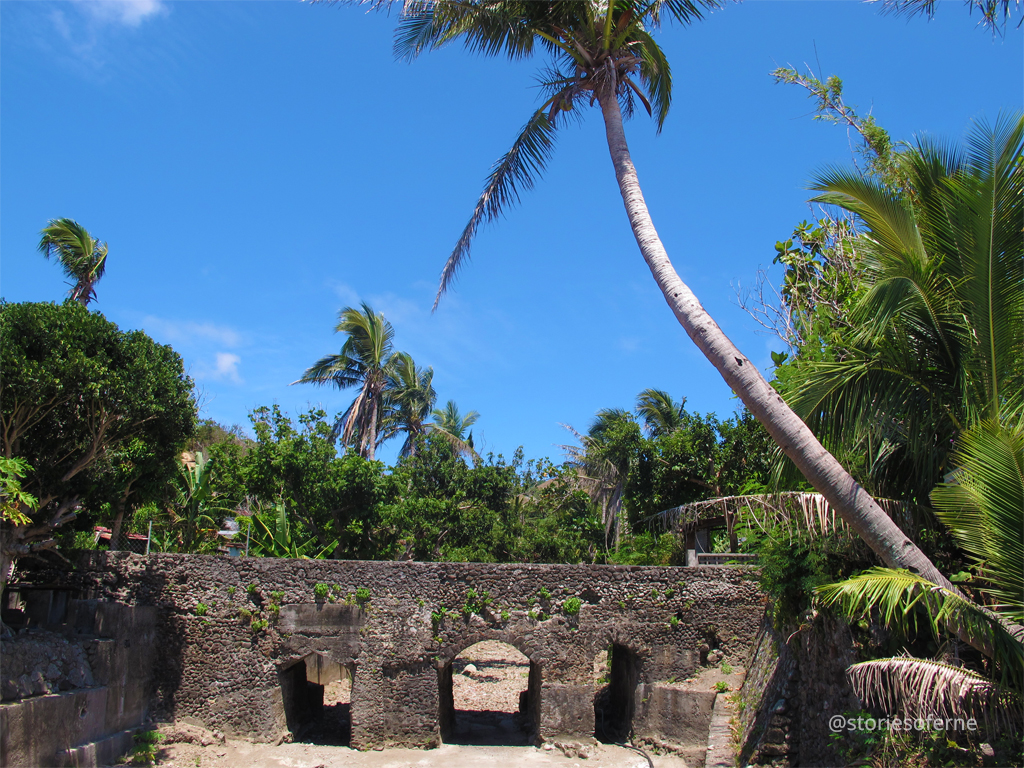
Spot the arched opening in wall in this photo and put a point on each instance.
(317, 695)
(490, 695)
(616, 674)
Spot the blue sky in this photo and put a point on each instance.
(256, 166)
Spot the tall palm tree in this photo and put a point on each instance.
(82, 257)
(660, 413)
(409, 403)
(366, 361)
(450, 424)
(602, 461)
(604, 53)
(940, 340)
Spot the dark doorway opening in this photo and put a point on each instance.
(617, 672)
(490, 696)
(317, 696)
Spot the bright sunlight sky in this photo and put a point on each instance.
(257, 166)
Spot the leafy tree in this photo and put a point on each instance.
(328, 497)
(95, 411)
(367, 361)
(604, 53)
(82, 257)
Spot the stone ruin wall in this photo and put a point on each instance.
(215, 670)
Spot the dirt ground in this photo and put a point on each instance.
(488, 678)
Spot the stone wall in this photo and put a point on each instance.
(231, 631)
(796, 681)
(76, 684)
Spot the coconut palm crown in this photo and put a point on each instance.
(595, 48)
(82, 257)
(367, 360)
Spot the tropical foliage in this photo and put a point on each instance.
(939, 339)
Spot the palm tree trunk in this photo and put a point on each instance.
(796, 440)
(373, 426)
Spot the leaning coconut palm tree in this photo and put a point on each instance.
(366, 361)
(82, 257)
(604, 53)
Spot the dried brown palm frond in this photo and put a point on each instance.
(921, 688)
(809, 511)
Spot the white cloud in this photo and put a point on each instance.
(225, 368)
(184, 331)
(344, 292)
(129, 13)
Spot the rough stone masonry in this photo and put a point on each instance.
(232, 635)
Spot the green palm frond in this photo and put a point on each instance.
(451, 425)
(995, 14)
(656, 76)
(490, 28)
(890, 221)
(984, 509)
(520, 167)
(921, 688)
(904, 600)
(940, 339)
(659, 412)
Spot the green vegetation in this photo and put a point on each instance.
(202, 609)
(572, 606)
(145, 745)
(722, 687)
(321, 591)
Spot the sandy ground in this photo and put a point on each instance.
(488, 730)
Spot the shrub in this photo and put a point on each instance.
(362, 595)
(320, 591)
(572, 606)
(201, 609)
